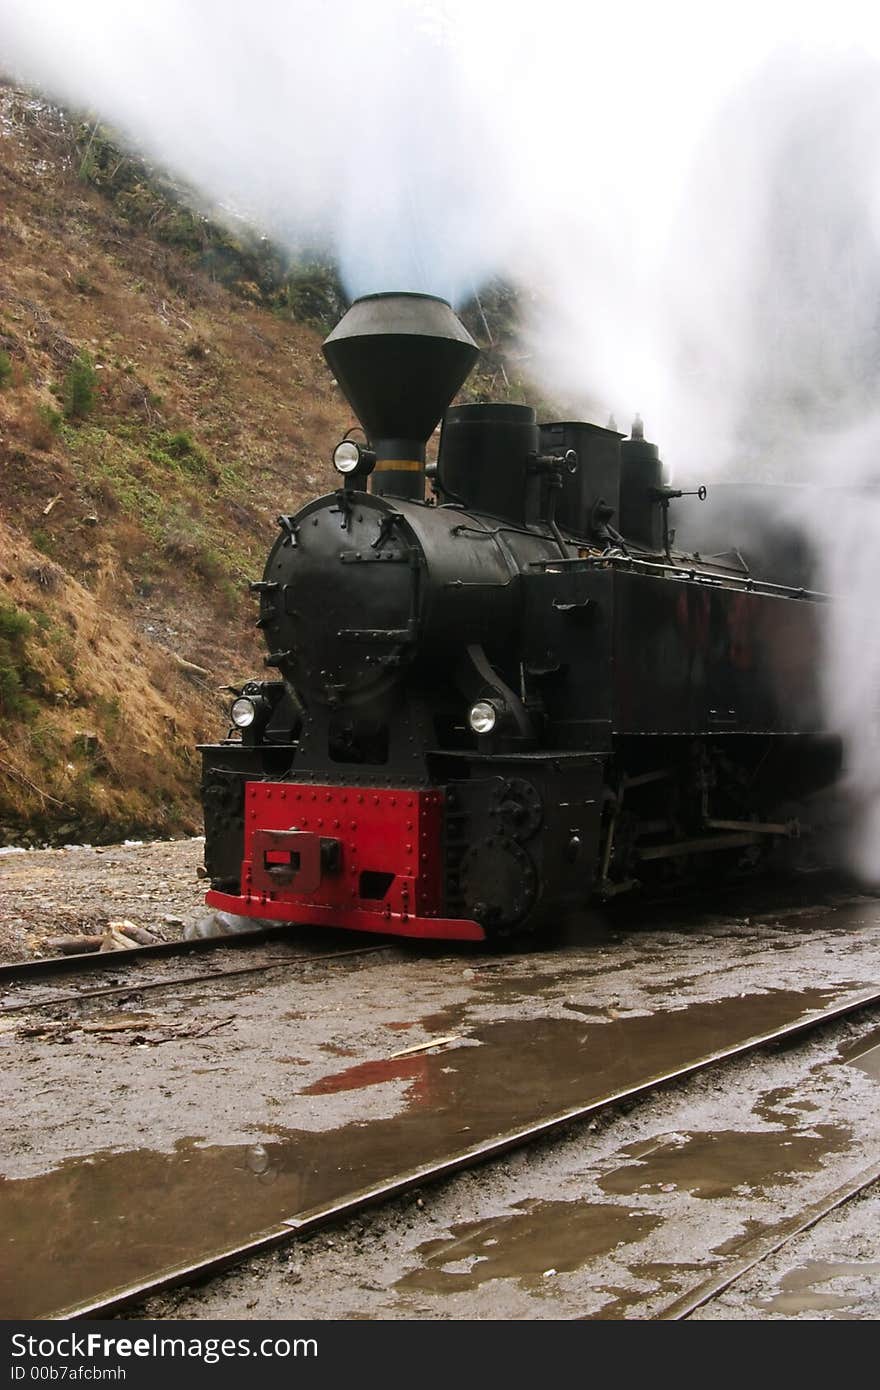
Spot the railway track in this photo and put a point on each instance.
(298, 1223)
(22, 972)
(477, 1089)
(765, 1245)
(26, 974)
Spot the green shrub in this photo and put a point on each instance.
(14, 625)
(5, 369)
(108, 711)
(180, 445)
(44, 740)
(181, 452)
(312, 292)
(41, 540)
(80, 386)
(14, 628)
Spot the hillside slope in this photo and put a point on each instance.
(152, 426)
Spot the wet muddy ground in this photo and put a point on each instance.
(268, 1094)
(47, 893)
(830, 1272)
(635, 1208)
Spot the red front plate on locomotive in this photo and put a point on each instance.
(362, 858)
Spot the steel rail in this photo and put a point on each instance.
(313, 1219)
(100, 960)
(763, 1246)
(138, 987)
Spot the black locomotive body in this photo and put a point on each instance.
(499, 701)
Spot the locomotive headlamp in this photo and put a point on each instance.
(346, 456)
(353, 460)
(243, 713)
(482, 717)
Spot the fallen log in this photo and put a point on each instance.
(120, 1025)
(189, 668)
(141, 935)
(74, 945)
(114, 940)
(42, 1030)
(425, 1046)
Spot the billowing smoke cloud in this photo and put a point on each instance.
(691, 194)
(844, 523)
(320, 120)
(778, 350)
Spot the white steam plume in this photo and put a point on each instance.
(690, 192)
(320, 120)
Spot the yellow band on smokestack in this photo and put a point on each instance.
(399, 466)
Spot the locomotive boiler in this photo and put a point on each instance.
(486, 705)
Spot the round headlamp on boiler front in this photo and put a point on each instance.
(352, 459)
(483, 716)
(243, 713)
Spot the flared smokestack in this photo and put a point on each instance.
(400, 358)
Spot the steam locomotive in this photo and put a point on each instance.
(499, 701)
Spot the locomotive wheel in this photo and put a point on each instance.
(498, 883)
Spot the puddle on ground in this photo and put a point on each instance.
(724, 1163)
(531, 1244)
(104, 1222)
(570, 1055)
(798, 1291)
(666, 986)
(655, 1278)
(782, 1105)
(415, 1069)
(864, 1054)
(505, 991)
(751, 1229)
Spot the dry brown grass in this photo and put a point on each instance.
(97, 675)
(117, 550)
(35, 425)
